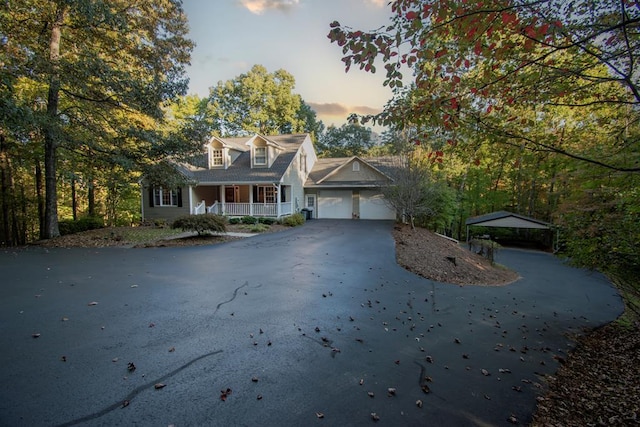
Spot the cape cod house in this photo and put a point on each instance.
(272, 176)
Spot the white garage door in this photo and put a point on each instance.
(335, 204)
(373, 206)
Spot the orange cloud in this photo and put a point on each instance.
(340, 110)
(259, 6)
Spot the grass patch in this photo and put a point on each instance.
(255, 228)
(145, 234)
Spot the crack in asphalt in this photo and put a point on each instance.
(137, 391)
(235, 294)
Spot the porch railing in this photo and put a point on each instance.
(246, 209)
(200, 209)
(215, 208)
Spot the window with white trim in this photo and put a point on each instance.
(356, 166)
(260, 156)
(216, 157)
(165, 197)
(267, 194)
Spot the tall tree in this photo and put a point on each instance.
(104, 69)
(256, 102)
(347, 140)
(471, 59)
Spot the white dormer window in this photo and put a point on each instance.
(356, 166)
(216, 157)
(260, 156)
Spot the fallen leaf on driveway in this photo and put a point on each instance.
(131, 367)
(319, 415)
(92, 303)
(172, 349)
(224, 394)
(159, 386)
(36, 335)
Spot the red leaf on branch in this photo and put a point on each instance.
(508, 18)
(411, 15)
(440, 53)
(478, 48)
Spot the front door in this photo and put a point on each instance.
(231, 194)
(310, 203)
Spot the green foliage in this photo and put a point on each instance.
(90, 79)
(474, 64)
(201, 224)
(346, 141)
(256, 102)
(257, 228)
(235, 220)
(417, 196)
(249, 220)
(69, 226)
(443, 208)
(267, 220)
(293, 220)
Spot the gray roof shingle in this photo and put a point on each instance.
(240, 170)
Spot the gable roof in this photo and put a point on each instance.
(327, 168)
(240, 170)
(239, 144)
(505, 219)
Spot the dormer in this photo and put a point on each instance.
(263, 152)
(217, 155)
(221, 153)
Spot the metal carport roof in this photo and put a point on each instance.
(506, 219)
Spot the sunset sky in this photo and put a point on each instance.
(233, 35)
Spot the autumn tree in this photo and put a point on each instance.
(101, 71)
(471, 60)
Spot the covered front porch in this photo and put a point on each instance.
(259, 200)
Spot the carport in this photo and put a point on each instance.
(505, 219)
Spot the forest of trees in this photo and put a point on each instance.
(531, 107)
(498, 105)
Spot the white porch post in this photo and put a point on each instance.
(191, 207)
(223, 193)
(250, 199)
(279, 199)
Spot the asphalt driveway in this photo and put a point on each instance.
(311, 326)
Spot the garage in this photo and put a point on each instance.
(373, 206)
(344, 204)
(335, 204)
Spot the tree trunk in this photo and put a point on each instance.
(5, 194)
(74, 202)
(40, 198)
(50, 132)
(91, 198)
